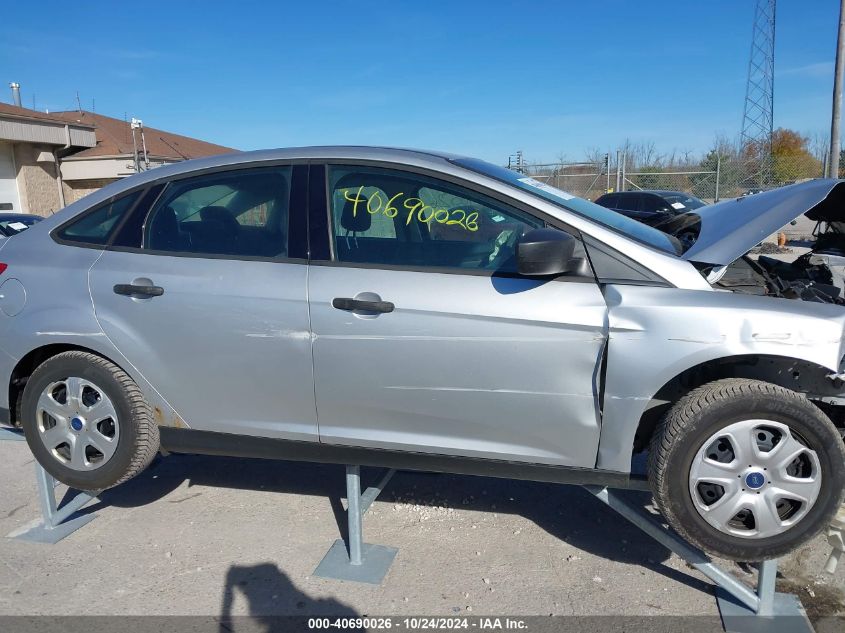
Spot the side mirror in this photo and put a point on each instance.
(548, 252)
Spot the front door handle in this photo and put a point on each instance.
(133, 290)
(345, 303)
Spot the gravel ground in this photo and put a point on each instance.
(223, 536)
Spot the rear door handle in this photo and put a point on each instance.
(345, 303)
(132, 290)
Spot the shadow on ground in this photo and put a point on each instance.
(569, 513)
(268, 592)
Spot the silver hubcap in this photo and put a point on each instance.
(754, 479)
(77, 423)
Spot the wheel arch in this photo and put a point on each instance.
(29, 362)
(791, 373)
(163, 413)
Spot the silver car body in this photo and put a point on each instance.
(472, 366)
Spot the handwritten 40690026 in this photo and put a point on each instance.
(416, 209)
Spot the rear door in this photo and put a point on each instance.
(425, 338)
(204, 292)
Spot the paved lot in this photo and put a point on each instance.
(221, 536)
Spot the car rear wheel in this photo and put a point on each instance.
(86, 421)
(746, 470)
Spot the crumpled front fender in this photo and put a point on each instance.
(655, 334)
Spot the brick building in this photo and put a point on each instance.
(49, 160)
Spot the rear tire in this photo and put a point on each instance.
(726, 446)
(86, 421)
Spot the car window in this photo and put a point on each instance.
(595, 213)
(14, 225)
(685, 202)
(629, 202)
(607, 200)
(240, 213)
(390, 217)
(97, 226)
(653, 203)
(617, 202)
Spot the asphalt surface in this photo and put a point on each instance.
(222, 536)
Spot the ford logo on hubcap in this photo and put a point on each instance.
(755, 480)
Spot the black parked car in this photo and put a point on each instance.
(657, 208)
(13, 223)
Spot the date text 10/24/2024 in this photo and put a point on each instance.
(415, 207)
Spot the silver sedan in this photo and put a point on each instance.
(426, 311)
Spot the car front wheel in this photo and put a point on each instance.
(86, 421)
(747, 470)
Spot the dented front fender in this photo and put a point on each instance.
(655, 334)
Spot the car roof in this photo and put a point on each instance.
(415, 157)
(316, 152)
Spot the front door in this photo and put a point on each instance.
(425, 339)
(212, 310)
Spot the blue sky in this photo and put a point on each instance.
(479, 78)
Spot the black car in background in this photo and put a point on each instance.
(658, 208)
(13, 223)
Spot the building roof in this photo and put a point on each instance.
(21, 125)
(7, 109)
(114, 138)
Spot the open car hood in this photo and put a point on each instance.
(731, 228)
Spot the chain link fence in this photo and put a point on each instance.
(712, 179)
(585, 180)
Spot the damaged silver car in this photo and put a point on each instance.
(427, 311)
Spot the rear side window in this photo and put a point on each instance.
(608, 200)
(96, 226)
(240, 213)
(630, 202)
(15, 225)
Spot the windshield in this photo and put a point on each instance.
(14, 225)
(690, 202)
(601, 215)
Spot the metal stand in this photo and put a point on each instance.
(836, 538)
(742, 610)
(11, 435)
(55, 523)
(362, 562)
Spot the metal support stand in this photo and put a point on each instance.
(742, 610)
(836, 538)
(55, 523)
(362, 562)
(11, 435)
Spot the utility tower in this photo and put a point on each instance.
(757, 116)
(517, 162)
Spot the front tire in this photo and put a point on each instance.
(86, 421)
(746, 470)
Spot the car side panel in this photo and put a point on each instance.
(468, 365)
(228, 343)
(657, 333)
(58, 310)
